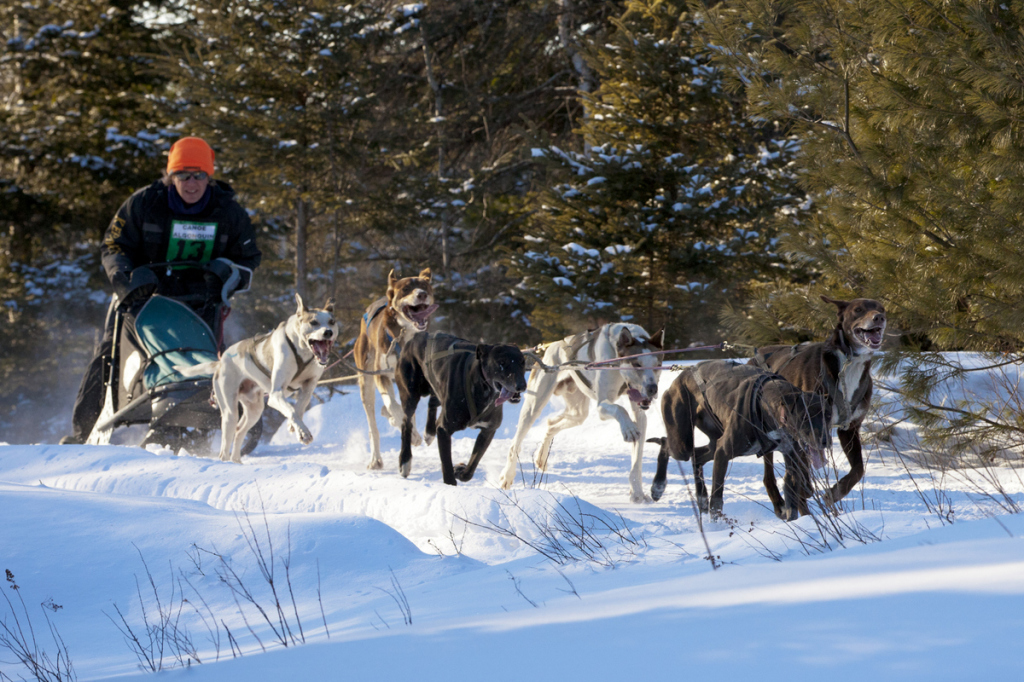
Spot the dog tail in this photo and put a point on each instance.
(679, 409)
(205, 369)
(660, 442)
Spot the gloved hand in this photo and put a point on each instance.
(139, 286)
(215, 274)
(120, 281)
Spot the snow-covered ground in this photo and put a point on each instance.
(921, 576)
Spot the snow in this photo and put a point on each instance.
(899, 592)
(581, 251)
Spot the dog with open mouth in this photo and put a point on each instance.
(839, 369)
(469, 382)
(288, 361)
(635, 377)
(388, 325)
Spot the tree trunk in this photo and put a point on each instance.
(435, 86)
(587, 82)
(301, 220)
(337, 254)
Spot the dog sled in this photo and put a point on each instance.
(151, 338)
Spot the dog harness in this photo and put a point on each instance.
(754, 404)
(845, 406)
(252, 346)
(588, 339)
(370, 315)
(434, 354)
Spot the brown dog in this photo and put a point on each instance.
(838, 368)
(388, 324)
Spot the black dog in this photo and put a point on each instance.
(469, 383)
(743, 410)
(839, 369)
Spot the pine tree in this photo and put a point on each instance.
(78, 133)
(474, 75)
(284, 93)
(671, 207)
(76, 126)
(908, 116)
(403, 144)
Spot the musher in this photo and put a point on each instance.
(186, 215)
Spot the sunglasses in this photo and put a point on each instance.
(190, 175)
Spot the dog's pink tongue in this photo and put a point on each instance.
(635, 395)
(424, 314)
(503, 396)
(322, 350)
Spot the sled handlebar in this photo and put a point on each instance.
(239, 280)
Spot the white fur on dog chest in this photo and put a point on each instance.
(851, 374)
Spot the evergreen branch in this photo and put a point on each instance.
(800, 55)
(934, 8)
(529, 93)
(846, 114)
(938, 239)
(493, 240)
(927, 404)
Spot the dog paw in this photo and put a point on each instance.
(463, 473)
(640, 498)
(417, 439)
(540, 460)
(507, 478)
(375, 464)
(302, 433)
(657, 490)
(305, 437)
(428, 439)
(405, 469)
(630, 433)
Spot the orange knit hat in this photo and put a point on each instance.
(190, 153)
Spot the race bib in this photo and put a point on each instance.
(191, 241)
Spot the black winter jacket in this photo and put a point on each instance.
(142, 230)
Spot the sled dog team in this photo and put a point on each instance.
(785, 399)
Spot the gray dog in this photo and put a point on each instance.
(743, 410)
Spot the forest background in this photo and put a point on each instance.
(709, 168)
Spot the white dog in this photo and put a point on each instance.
(287, 361)
(634, 377)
